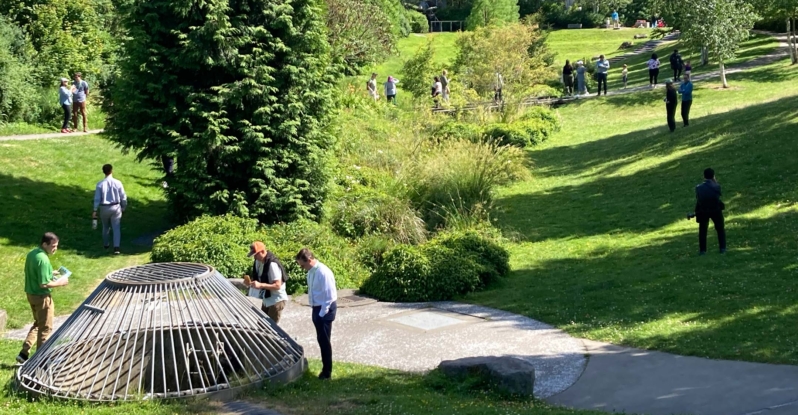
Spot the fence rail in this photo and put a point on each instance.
(441, 25)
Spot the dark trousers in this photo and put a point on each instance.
(391, 98)
(323, 327)
(652, 76)
(676, 73)
(602, 79)
(686, 112)
(168, 165)
(671, 108)
(703, 228)
(497, 95)
(67, 115)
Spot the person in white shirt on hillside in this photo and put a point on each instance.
(111, 201)
(653, 70)
(322, 297)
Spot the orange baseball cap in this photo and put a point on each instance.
(256, 247)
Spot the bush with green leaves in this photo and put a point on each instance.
(219, 241)
(16, 90)
(223, 242)
(363, 212)
(512, 134)
(240, 93)
(458, 131)
(417, 72)
(450, 265)
(359, 33)
(418, 22)
(492, 12)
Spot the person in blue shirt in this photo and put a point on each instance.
(615, 22)
(686, 91)
(65, 99)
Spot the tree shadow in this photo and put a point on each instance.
(31, 208)
(741, 305)
(644, 180)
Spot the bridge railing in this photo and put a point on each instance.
(446, 25)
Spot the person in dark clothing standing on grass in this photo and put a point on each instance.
(568, 77)
(676, 64)
(602, 66)
(686, 91)
(708, 207)
(671, 101)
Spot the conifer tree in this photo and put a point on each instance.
(239, 92)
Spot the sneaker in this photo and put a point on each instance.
(106, 247)
(702, 253)
(324, 376)
(116, 251)
(64, 131)
(22, 358)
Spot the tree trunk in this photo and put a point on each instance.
(704, 56)
(790, 43)
(794, 44)
(723, 75)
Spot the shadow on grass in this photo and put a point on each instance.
(31, 208)
(644, 180)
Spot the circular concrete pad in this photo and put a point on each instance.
(418, 336)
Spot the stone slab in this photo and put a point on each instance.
(427, 320)
(622, 379)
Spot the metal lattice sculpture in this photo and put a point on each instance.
(163, 330)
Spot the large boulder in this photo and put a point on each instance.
(3, 320)
(510, 374)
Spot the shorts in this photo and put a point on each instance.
(274, 312)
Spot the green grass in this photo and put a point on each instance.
(407, 47)
(750, 49)
(606, 252)
(20, 128)
(586, 43)
(48, 185)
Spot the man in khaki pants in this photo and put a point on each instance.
(38, 282)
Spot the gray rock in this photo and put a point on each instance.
(509, 373)
(626, 45)
(3, 320)
(640, 36)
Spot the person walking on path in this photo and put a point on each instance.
(686, 91)
(322, 297)
(580, 79)
(437, 88)
(653, 70)
(65, 99)
(445, 85)
(268, 279)
(676, 64)
(671, 101)
(615, 20)
(498, 86)
(625, 75)
(390, 89)
(568, 77)
(371, 86)
(111, 200)
(39, 283)
(708, 207)
(79, 101)
(602, 66)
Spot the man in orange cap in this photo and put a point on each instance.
(267, 281)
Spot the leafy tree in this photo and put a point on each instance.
(15, 88)
(719, 26)
(787, 10)
(68, 35)
(239, 92)
(487, 12)
(417, 72)
(506, 50)
(359, 33)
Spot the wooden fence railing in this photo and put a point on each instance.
(443, 25)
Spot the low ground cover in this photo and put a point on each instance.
(49, 186)
(605, 251)
(587, 43)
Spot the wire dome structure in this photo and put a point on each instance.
(165, 330)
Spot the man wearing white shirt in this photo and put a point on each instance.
(322, 297)
(111, 201)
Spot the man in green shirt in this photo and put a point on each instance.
(38, 282)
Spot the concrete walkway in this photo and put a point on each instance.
(44, 136)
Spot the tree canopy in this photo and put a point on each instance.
(239, 92)
(487, 12)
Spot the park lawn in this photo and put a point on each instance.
(604, 249)
(756, 46)
(21, 128)
(48, 185)
(585, 43)
(443, 44)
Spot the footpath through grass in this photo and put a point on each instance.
(48, 185)
(606, 252)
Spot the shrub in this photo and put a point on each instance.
(450, 265)
(458, 131)
(415, 73)
(418, 22)
(223, 242)
(513, 134)
(371, 251)
(219, 241)
(361, 213)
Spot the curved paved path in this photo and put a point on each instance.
(418, 336)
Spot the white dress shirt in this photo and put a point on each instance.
(321, 288)
(109, 191)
